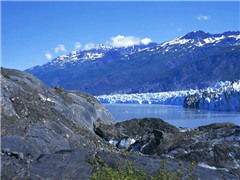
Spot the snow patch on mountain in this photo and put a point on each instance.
(176, 41)
(92, 56)
(198, 40)
(237, 37)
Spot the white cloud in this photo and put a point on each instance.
(203, 17)
(125, 41)
(77, 45)
(90, 46)
(146, 41)
(60, 48)
(48, 55)
(119, 41)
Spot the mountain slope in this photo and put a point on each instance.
(221, 66)
(153, 67)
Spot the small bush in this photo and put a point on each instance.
(123, 154)
(126, 171)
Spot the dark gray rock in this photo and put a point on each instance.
(132, 128)
(12, 144)
(25, 96)
(63, 165)
(60, 165)
(215, 146)
(36, 120)
(48, 119)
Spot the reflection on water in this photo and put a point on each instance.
(176, 115)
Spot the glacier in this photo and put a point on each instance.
(224, 96)
(171, 98)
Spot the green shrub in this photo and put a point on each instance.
(126, 171)
(123, 154)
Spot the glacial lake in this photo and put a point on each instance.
(173, 114)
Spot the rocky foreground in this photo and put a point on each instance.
(52, 133)
(215, 146)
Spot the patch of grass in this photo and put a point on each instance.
(126, 171)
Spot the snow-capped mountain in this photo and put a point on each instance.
(224, 96)
(194, 60)
(200, 38)
(99, 52)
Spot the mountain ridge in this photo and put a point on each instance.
(106, 70)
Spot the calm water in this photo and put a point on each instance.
(175, 115)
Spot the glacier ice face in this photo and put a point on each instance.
(172, 97)
(223, 99)
(224, 96)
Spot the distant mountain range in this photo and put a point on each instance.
(195, 60)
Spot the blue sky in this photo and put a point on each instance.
(33, 33)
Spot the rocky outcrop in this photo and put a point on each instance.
(134, 133)
(38, 121)
(215, 146)
(47, 120)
